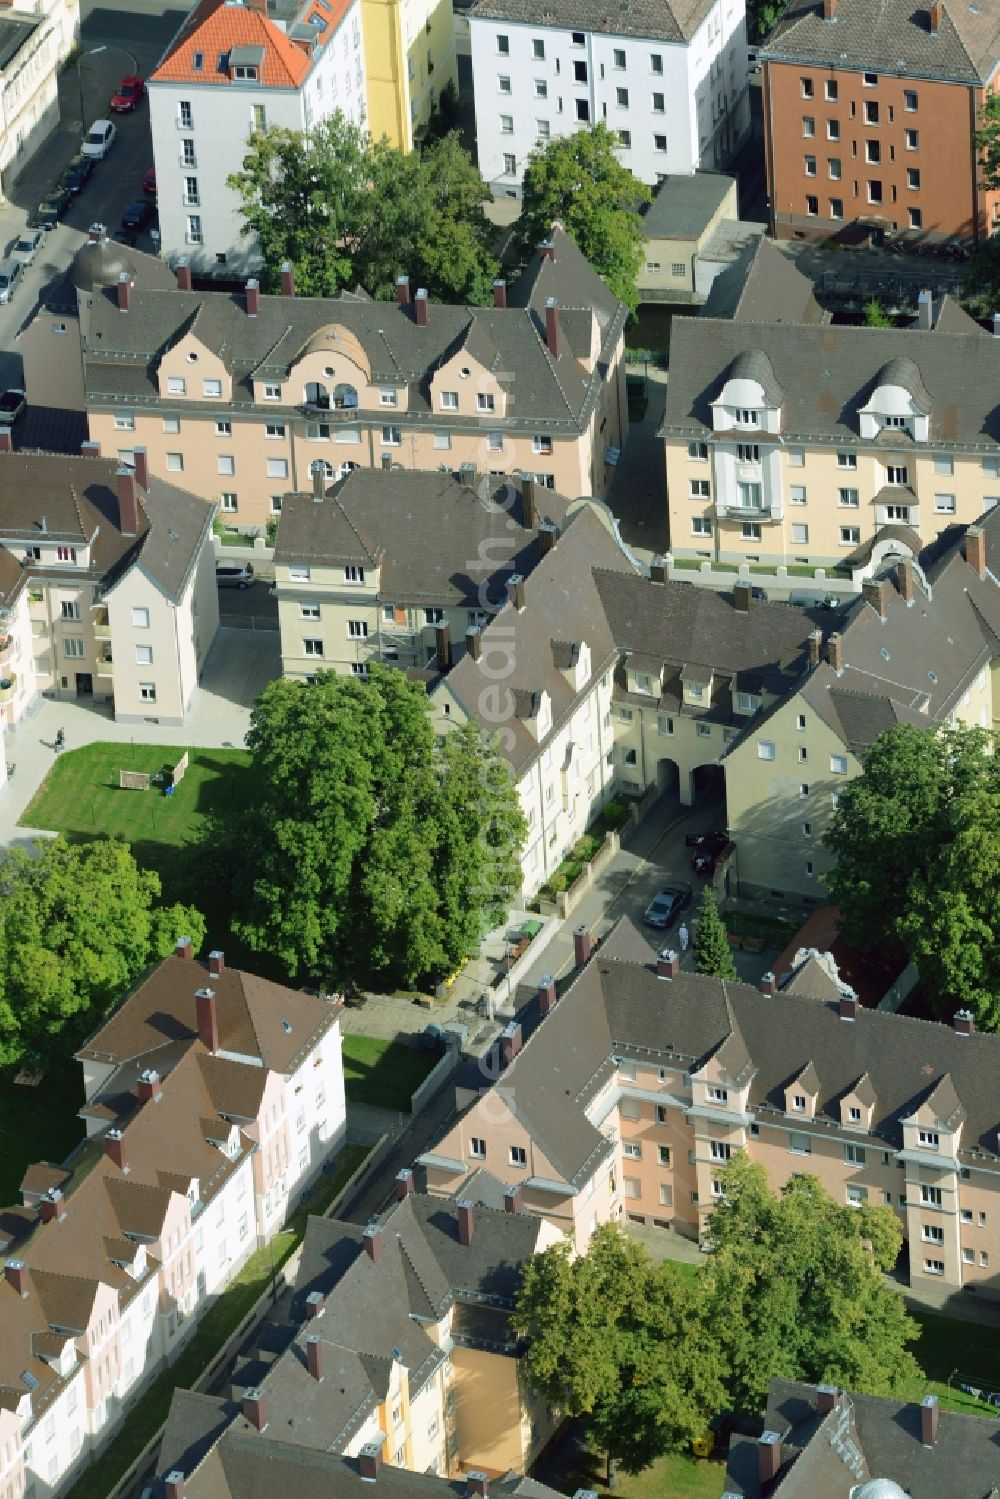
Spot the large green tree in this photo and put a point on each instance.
(987, 139)
(579, 180)
(78, 923)
(347, 211)
(369, 849)
(916, 839)
(711, 943)
(796, 1289)
(622, 1343)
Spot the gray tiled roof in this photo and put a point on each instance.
(663, 20)
(763, 286)
(892, 36)
(684, 206)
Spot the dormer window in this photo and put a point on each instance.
(744, 417)
(929, 1139)
(853, 1114)
(895, 421)
(643, 681)
(245, 73)
(717, 1095)
(799, 1102)
(696, 691)
(746, 702)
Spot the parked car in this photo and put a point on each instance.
(664, 909)
(707, 843)
(138, 214)
(756, 592)
(13, 404)
(10, 274)
(51, 209)
(99, 139)
(149, 180)
(128, 94)
(26, 247)
(77, 174)
(234, 574)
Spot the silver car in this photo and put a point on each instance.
(10, 275)
(27, 246)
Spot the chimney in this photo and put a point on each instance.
(124, 290)
(963, 1022)
(140, 463)
(935, 15)
(499, 292)
(546, 994)
(182, 272)
(925, 310)
(465, 1222)
(208, 1019)
(768, 984)
(96, 233)
(51, 1206)
(848, 1007)
(420, 307)
(512, 1200)
(668, 964)
(16, 1274)
(827, 1398)
(742, 598)
(547, 250)
(904, 580)
(128, 501)
(372, 1240)
(315, 1304)
(90, 449)
(148, 1086)
(768, 1456)
(184, 948)
(515, 590)
(873, 591)
(114, 1149)
(835, 651)
(287, 279)
(6, 440)
(318, 471)
(529, 507)
(314, 1356)
(404, 1183)
(582, 945)
(929, 1420)
(403, 290)
(255, 1408)
(370, 1460)
(474, 642)
(253, 297)
(658, 570)
(815, 647)
(974, 549)
(174, 1484)
(510, 1043)
(476, 1483)
(552, 326)
(829, 10)
(548, 533)
(442, 646)
(216, 962)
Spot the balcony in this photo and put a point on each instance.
(102, 624)
(105, 666)
(8, 687)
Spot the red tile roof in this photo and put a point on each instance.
(212, 29)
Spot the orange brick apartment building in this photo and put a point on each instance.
(869, 112)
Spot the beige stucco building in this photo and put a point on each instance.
(107, 587)
(682, 218)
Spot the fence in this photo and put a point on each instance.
(779, 578)
(435, 1080)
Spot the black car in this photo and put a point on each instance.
(707, 843)
(137, 215)
(664, 909)
(51, 209)
(12, 406)
(77, 174)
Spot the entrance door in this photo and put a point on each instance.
(84, 684)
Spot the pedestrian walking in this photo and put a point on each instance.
(683, 937)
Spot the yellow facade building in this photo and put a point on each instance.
(410, 59)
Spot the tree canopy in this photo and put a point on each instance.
(795, 1289)
(78, 923)
(916, 838)
(349, 211)
(622, 1343)
(987, 140)
(579, 180)
(711, 943)
(369, 849)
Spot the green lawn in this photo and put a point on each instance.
(383, 1072)
(947, 1345)
(148, 1414)
(674, 1477)
(37, 1124)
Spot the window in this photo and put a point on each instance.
(359, 669)
(226, 463)
(896, 474)
(449, 400)
(699, 489)
(930, 1196)
(621, 98)
(850, 536)
(871, 112)
(503, 46)
(517, 1155)
(147, 692)
(807, 87)
(848, 499)
(542, 130)
(176, 385)
(929, 1139)
(944, 504)
(804, 789)
(857, 1197)
(873, 152)
(541, 89)
(309, 611)
(509, 164)
(391, 437)
(354, 574)
(982, 1220)
(799, 1144)
(765, 749)
(664, 725)
(833, 130)
(968, 1255)
(69, 609)
(506, 124)
(748, 452)
(538, 49)
(144, 655)
(810, 166)
(913, 179)
(931, 1234)
(874, 191)
(800, 535)
(175, 462)
(717, 1095)
(663, 1155)
(854, 1155)
(656, 62)
(854, 1114)
(185, 118)
(579, 72)
(659, 142)
(933, 1267)
(73, 649)
(833, 170)
(659, 104)
(477, 1148)
(812, 204)
(830, 90)
(194, 234)
(229, 502)
(797, 494)
(312, 647)
(503, 84)
(720, 1151)
(124, 422)
(910, 100)
(272, 392)
(746, 418)
(836, 208)
(357, 629)
(632, 1150)
(625, 139)
(750, 531)
(808, 126)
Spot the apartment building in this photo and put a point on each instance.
(806, 444)
(107, 587)
(236, 67)
(36, 37)
(640, 1083)
(410, 59)
(820, 1439)
(397, 567)
(669, 81)
(243, 393)
(212, 1098)
(869, 112)
(403, 1354)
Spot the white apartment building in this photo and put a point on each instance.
(670, 83)
(232, 69)
(36, 37)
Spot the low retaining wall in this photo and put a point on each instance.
(781, 580)
(434, 1081)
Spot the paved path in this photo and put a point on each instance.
(638, 493)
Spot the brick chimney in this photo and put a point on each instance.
(51, 1205)
(96, 234)
(140, 464)
(128, 501)
(668, 964)
(546, 994)
(216, 962)
(474, 642)
(16, 1276)
(255, 1408)
(114, 1149)
(974, 549)
(420, 307)
(815, 647)
(372, 1240)
(90, 449)
(512, 1200)
(404, 1183)
(848, 1007)
(182, 274)
(548, 534)
(547, 250)
(184, 948)
(768, 984)
(768, 1456)
(515, 590)
(207, 1014)
(583, 944)
(287, 279)
(935, 16)
(827, 1398)
(370, 1460)
(510, 1043)
(315, 1304)
(465, 1221)
(6, 440)
(904, 580)
(253, 297)
(499, 292)
(963, 1022)
(403, 290)
(929, 1412)
(148, 1086)
(552, 326)
(529, 506)
(742, 598)
(314, 1356)
(829, 10)
(173, 1484)
(835, 651)
(442, 646)
(124, 291)
(874, 591)
(658, 570)
(477, 1483)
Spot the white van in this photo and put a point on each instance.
(234, 574)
